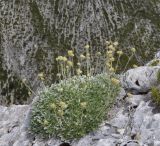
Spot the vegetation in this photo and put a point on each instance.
(74, 107)
(79, 103)
(158, 76)
(154, 62)
(155, 95)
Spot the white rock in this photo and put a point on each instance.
(106, 142)
(140, 79)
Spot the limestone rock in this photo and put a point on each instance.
(141, 79)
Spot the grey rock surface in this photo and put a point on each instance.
(157, 55)
(140, 80)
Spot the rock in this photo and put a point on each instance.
(156, 143)
(140, 80)
(121, 120)
(135, 100)
(157, 55)
(107, 142)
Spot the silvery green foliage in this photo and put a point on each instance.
(73, 108)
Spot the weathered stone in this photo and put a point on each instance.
(121, 120)
(106, 142)
(140, 80)
(157, 55)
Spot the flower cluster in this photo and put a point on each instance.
(111, 50)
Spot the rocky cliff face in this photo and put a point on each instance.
(33, 32)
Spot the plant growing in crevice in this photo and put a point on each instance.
(158, 77)
(155, 95)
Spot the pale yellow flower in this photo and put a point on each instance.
(110, 52)
(98, 53)
(59, 58)
(112, 59)
(110, 55)
(86, 46)
(129, 94)
(115, 43)
(70, 53)
(53, 106)
(108, 64)
(83, 104)
(24, 80)
(29, 93)
(115, 81)
(60, 113)
(108, 42)
(64, 59)
(41, 76)
(58, 75)
(63, 105)
(79, 64)
(87, 55)
(111, 69)
(110, 47)
(70, 63)
(133, 50)
(88, 75)
(45, 122)
(113, 49)
(82, 56)
(119, 53)
(79, 71)
(60, 89)
(135, 66)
